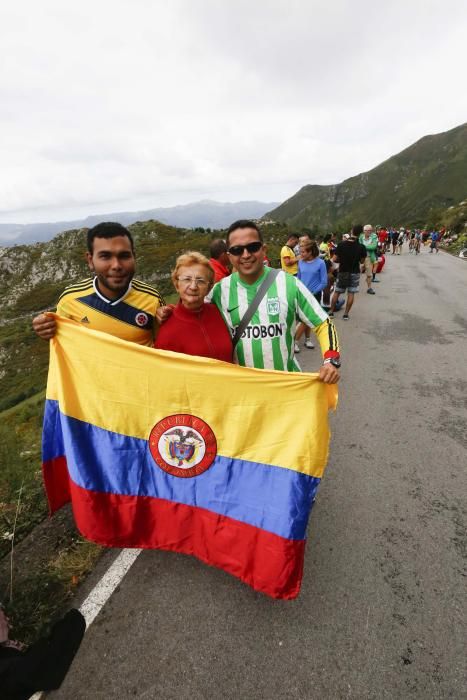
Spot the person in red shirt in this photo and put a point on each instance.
(383, 239)
(219, 259)
(195, 328)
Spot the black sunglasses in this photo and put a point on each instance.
(250, 247)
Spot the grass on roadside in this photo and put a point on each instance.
(46, 573)
(42, 595)
(455, 247)
(22, 498)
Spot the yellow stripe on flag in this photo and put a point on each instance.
(276, 418)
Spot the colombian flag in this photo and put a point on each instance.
(166, 451)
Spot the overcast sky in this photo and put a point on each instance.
(133, 104)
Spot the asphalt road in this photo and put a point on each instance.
(382, 608)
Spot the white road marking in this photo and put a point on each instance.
(103, 590)
(108, 583)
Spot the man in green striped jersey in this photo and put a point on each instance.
(268, 340)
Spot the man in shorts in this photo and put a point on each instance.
(434, 235)
(394, 233)
(350, 254)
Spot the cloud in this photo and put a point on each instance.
(122, 102)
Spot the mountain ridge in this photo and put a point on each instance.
(430, 173)
(206, 213)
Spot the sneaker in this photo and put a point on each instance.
(330, 314)
(296, 348)
(370, 291)
(373, 281)
(309, 344)
(345, 317)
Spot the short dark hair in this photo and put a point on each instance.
(243, 223)
(217, 247)
(357, 229)
(107, 229)
(293, 235)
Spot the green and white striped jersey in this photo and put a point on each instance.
(268, 340)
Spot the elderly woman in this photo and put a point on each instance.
(195, 328)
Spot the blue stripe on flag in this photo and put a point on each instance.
(268, 497)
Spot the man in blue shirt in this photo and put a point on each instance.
(434, 241)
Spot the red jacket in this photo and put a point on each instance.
(201, 332)
(220, 270)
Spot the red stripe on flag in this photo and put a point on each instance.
(57, 483)
(265, 561)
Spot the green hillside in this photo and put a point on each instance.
(454, 218)
(430, 174)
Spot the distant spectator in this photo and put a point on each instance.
(304, 239)
(394, 239)
(400, 241)
(219, 259)
(332, 243)
(383, 237)
(350, 254)
(312, 272)
(324, 247)
(331, 267)
(289, 261)
(296, 249)
(369, 239)
(434, 236)
(381, 263)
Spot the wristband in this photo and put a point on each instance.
(334, 361)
